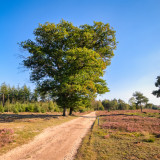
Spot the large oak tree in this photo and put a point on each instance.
(68, 62)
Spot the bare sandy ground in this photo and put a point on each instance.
(54, 143)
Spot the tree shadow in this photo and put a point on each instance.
(13, 117)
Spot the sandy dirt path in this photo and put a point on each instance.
(54, 143)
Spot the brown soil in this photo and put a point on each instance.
(55, 143)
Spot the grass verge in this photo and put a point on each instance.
(109, 143)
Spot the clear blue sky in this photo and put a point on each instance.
(137, 23)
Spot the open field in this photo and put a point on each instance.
(55, 142)
(123, 135)
(18, 129)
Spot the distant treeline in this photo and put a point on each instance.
(121, 105)
(16, 94)
(21, 99)
(37, 107)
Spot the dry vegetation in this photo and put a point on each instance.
(123, 135)
(18, 129)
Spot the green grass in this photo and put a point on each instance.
(145, 114)
(111, 144)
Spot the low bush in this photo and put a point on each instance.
(32, 107)
(149, 140)
(37, 108)
(1, 109)
(6, 136)
(15, 110)
(82, 109)
(131, 123)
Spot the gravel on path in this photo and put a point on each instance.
(54, 143)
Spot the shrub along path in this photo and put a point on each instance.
(60, 142)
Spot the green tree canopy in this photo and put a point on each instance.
(157, 84)
(107, 104)
(140, 99)
(115, 104)
(122, 105)
(68, 61)
(14, 94)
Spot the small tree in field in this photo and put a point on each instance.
(68, 61)
(157, 84)
(140, 99)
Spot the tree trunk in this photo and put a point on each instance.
(3, 101)
(71, 110)
(141, 107)
(64, 111)
(136, 106)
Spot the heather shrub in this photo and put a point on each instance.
(130, 112)
(107, 136)
(132, 123)
(6, 136)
